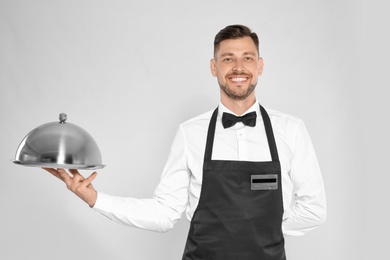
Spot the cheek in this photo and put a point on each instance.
(222, 76)
(224, 72)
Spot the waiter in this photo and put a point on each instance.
(245, 176)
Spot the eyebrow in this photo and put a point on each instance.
(250, 53)
(245, 53)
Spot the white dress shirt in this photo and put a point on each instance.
(181, 181)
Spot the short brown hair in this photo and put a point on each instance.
(235, 32)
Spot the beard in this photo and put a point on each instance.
(237, 94)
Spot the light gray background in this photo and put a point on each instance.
(116, 66)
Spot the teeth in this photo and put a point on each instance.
(238, 79)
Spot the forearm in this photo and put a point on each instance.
(300, 218)
(147, 214)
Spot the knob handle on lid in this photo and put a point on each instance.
(63, 118)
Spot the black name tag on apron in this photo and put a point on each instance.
(264, 182)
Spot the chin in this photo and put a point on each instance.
(237, 95)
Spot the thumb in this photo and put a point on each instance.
(90, 178)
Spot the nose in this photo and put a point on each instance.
(238, 67)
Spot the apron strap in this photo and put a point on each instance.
(268, 130)
(270, 135)
(210, 137)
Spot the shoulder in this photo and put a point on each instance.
(198, 121)
(192, 134)
(195, 129)
(282, 119)
(286, 126)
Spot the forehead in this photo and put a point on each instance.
(237, 46)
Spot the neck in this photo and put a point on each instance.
(238, 107)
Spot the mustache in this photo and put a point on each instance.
(234, 73)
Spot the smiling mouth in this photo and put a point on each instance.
(238, 79)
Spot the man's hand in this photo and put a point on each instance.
(76, 183)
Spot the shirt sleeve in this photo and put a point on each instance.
(308, 207)
(170, 198)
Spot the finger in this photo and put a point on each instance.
(74, 171)
(64, 175)
(88, 180)
(76, 175)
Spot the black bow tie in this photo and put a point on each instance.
(229, 120)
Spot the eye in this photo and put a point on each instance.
(227, 59)
(248, 58)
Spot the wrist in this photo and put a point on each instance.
(93, 199)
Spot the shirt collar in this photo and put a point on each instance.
(254, 107)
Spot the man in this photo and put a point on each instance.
(243, 175)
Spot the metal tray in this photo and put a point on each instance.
(63, 166)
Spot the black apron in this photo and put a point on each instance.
(240, 210)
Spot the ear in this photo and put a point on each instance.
(261, 65)
(213, 67)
